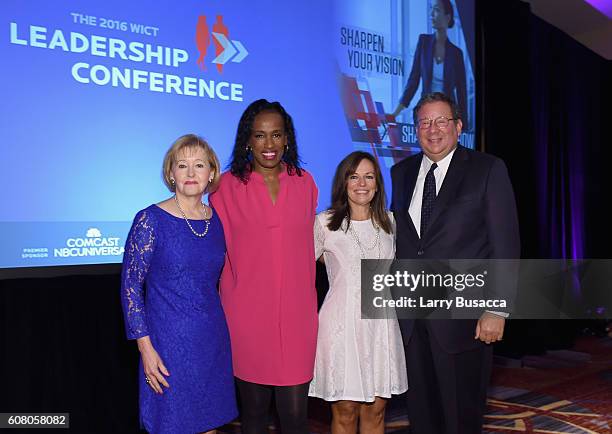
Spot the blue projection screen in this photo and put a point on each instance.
(94, 93)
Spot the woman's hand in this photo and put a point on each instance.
(154, 368)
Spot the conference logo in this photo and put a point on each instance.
(134, 61)
(92, 244)
(225, 49)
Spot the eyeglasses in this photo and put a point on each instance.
(441, 122)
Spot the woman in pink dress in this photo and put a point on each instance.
(267, 204)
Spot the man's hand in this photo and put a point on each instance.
(490, 328)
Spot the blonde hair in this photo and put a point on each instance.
(191, 141)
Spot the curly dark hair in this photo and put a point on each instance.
(241, 166)
(340, 209)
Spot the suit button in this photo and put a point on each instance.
(421, 252)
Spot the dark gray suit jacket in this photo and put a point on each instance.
(474, 217)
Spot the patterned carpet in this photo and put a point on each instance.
(558, 392)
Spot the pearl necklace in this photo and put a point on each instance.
(361, 247)
(207, 221)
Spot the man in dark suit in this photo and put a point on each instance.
(450, 202)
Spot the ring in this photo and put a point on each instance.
(147, 380)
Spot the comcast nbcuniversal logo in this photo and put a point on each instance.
(92, 244)
(225, 49)
(93, 233)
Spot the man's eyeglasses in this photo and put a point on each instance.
(441, 122)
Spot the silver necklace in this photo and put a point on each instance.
(361, 247)
(207, 221)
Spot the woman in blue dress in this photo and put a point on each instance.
(173, 258)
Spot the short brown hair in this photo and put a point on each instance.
(191, 141)
(437, 97)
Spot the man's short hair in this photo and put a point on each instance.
(435, 97)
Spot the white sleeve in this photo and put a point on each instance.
(393, 230)
(319, 238)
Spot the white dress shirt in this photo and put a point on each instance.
(417, 195)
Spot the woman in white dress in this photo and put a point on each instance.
(359, 362)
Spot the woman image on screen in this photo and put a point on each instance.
(438, 63)
(359, 363)
(267, 204)
(172, 262)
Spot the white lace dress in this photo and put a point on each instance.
(356, 359)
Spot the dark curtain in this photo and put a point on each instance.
(543, 112)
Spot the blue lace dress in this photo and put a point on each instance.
(169, 292)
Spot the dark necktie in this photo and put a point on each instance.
(429, 198)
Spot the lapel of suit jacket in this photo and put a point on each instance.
(412, 173)
(452, 180)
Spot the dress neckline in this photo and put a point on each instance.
(212, 213)
(361, 221)
(260, 178)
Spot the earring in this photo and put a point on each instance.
(210, 179)
(247, 148)
(286, 148)
(172, 181)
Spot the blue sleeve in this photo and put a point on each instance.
(415, 75)
(139, 249)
